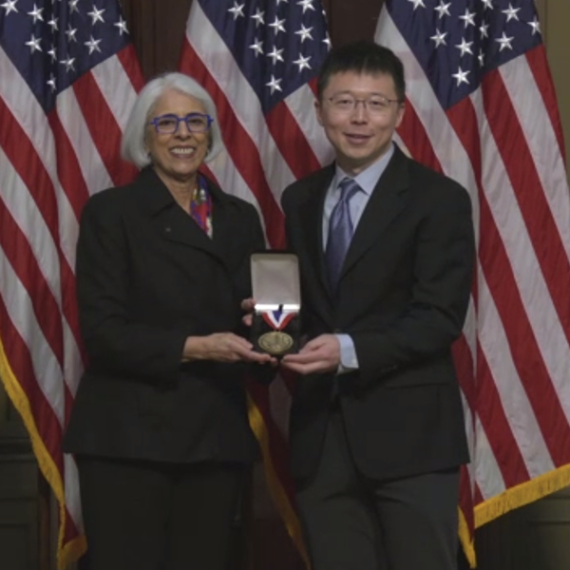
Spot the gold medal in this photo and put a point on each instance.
(275, 342)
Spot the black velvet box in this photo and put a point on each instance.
(277, 292)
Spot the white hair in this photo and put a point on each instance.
(133, 145)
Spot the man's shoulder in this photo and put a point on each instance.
(426, 179)
(303, 188)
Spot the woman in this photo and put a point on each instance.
(159, 425)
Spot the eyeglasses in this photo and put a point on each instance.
(375, 105)
(195, 122)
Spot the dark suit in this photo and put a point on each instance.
(402, 298)
(148, 277)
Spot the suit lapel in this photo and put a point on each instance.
(173, 223)
(387, 200)
(311, 214)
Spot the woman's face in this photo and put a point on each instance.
(176, 157)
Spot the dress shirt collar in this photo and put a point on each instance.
(369, 177)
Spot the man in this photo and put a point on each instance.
(386, 251)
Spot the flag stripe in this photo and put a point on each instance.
(43, 362)
(538, 64)
(104, 132)
(284, 128)
(22, 157)
(504, 287)
(519, 165)
(21, 257)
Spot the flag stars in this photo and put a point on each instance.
(277, 26)
(52, 53)
(306, 5)
(535, 25)
(487, 4)
(461, 77)
(468, 18)
(122, 25)
(274, 85)
(511, 13)
(303, 62)
(327, 41)
(481, 58)
(70, 33)
(259, 18)
(443, 9)
(34, 44)
(51, 82)
(275, 55)
(237, 11)
(93, 45)
(53, 24)
(257, 47)
(484, 30)
(36, 14)
(464, 47)
(68, 64)
(505, 42)
(439, 38)
(417, 4)
(9, 6)
(96, 16)
(304, 33)
(73, 6)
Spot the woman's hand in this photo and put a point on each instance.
(223, 347)
(248, 307)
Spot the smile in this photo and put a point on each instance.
(185, 151)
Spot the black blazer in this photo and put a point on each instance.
(402, 297)
(147, 278)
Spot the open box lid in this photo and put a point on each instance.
(275, 281)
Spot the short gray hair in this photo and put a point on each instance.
(133, 146)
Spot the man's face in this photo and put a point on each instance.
(361, 133)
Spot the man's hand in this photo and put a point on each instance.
(322, 354)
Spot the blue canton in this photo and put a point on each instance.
(458, 41)
(278, 45)
(54, 42)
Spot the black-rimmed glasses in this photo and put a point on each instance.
(195, 122)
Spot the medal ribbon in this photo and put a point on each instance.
(278, 319)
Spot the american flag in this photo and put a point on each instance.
(69, 76)
(259, 59)
(481, 108)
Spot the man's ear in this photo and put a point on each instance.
(401, 111)
(319, 111)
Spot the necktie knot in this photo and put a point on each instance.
(348, 188)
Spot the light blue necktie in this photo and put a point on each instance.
(340, 231)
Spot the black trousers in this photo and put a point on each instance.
(354, 523)
(141, 515)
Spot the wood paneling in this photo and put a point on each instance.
(18, 510)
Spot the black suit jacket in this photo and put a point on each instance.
(402, 297)
(147, 278)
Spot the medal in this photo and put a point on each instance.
(275, 342)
